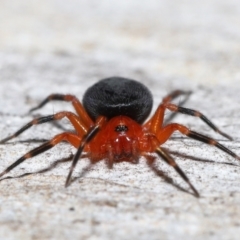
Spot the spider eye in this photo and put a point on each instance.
(121, 128)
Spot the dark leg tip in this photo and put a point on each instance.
(225, 135)
(5, 139)
(3, 173)
(197, 195)
(67, 183)
(32, 109)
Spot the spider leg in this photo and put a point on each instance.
(169, 160)
(69, 137)
(91, 133)
(164, 134)
(174, 95)
(151, 163)
(73, 118)
(110, 158)
(191, 112)
(68, 98)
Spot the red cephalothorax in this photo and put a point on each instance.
(109, 126)
(120, 139)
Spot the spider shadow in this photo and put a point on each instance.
(167, 179)
(158, 172)
(52, 166)
(198, 159)
(152, 166)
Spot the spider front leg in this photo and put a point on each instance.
(169, 160)
(68, 98)
(91, 133)
(73, 118)
(165, 133)
(73, 139)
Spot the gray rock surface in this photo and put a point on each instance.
(64, 47)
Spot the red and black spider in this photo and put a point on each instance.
(110, 125)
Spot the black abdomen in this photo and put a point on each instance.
(116, 96)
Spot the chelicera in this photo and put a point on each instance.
(111, 124)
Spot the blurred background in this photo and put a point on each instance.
(194, 40)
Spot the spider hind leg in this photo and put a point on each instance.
(73, 118)
(71, 138)
(191, 112)
(67, 98)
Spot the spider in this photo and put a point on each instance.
(111, 124)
